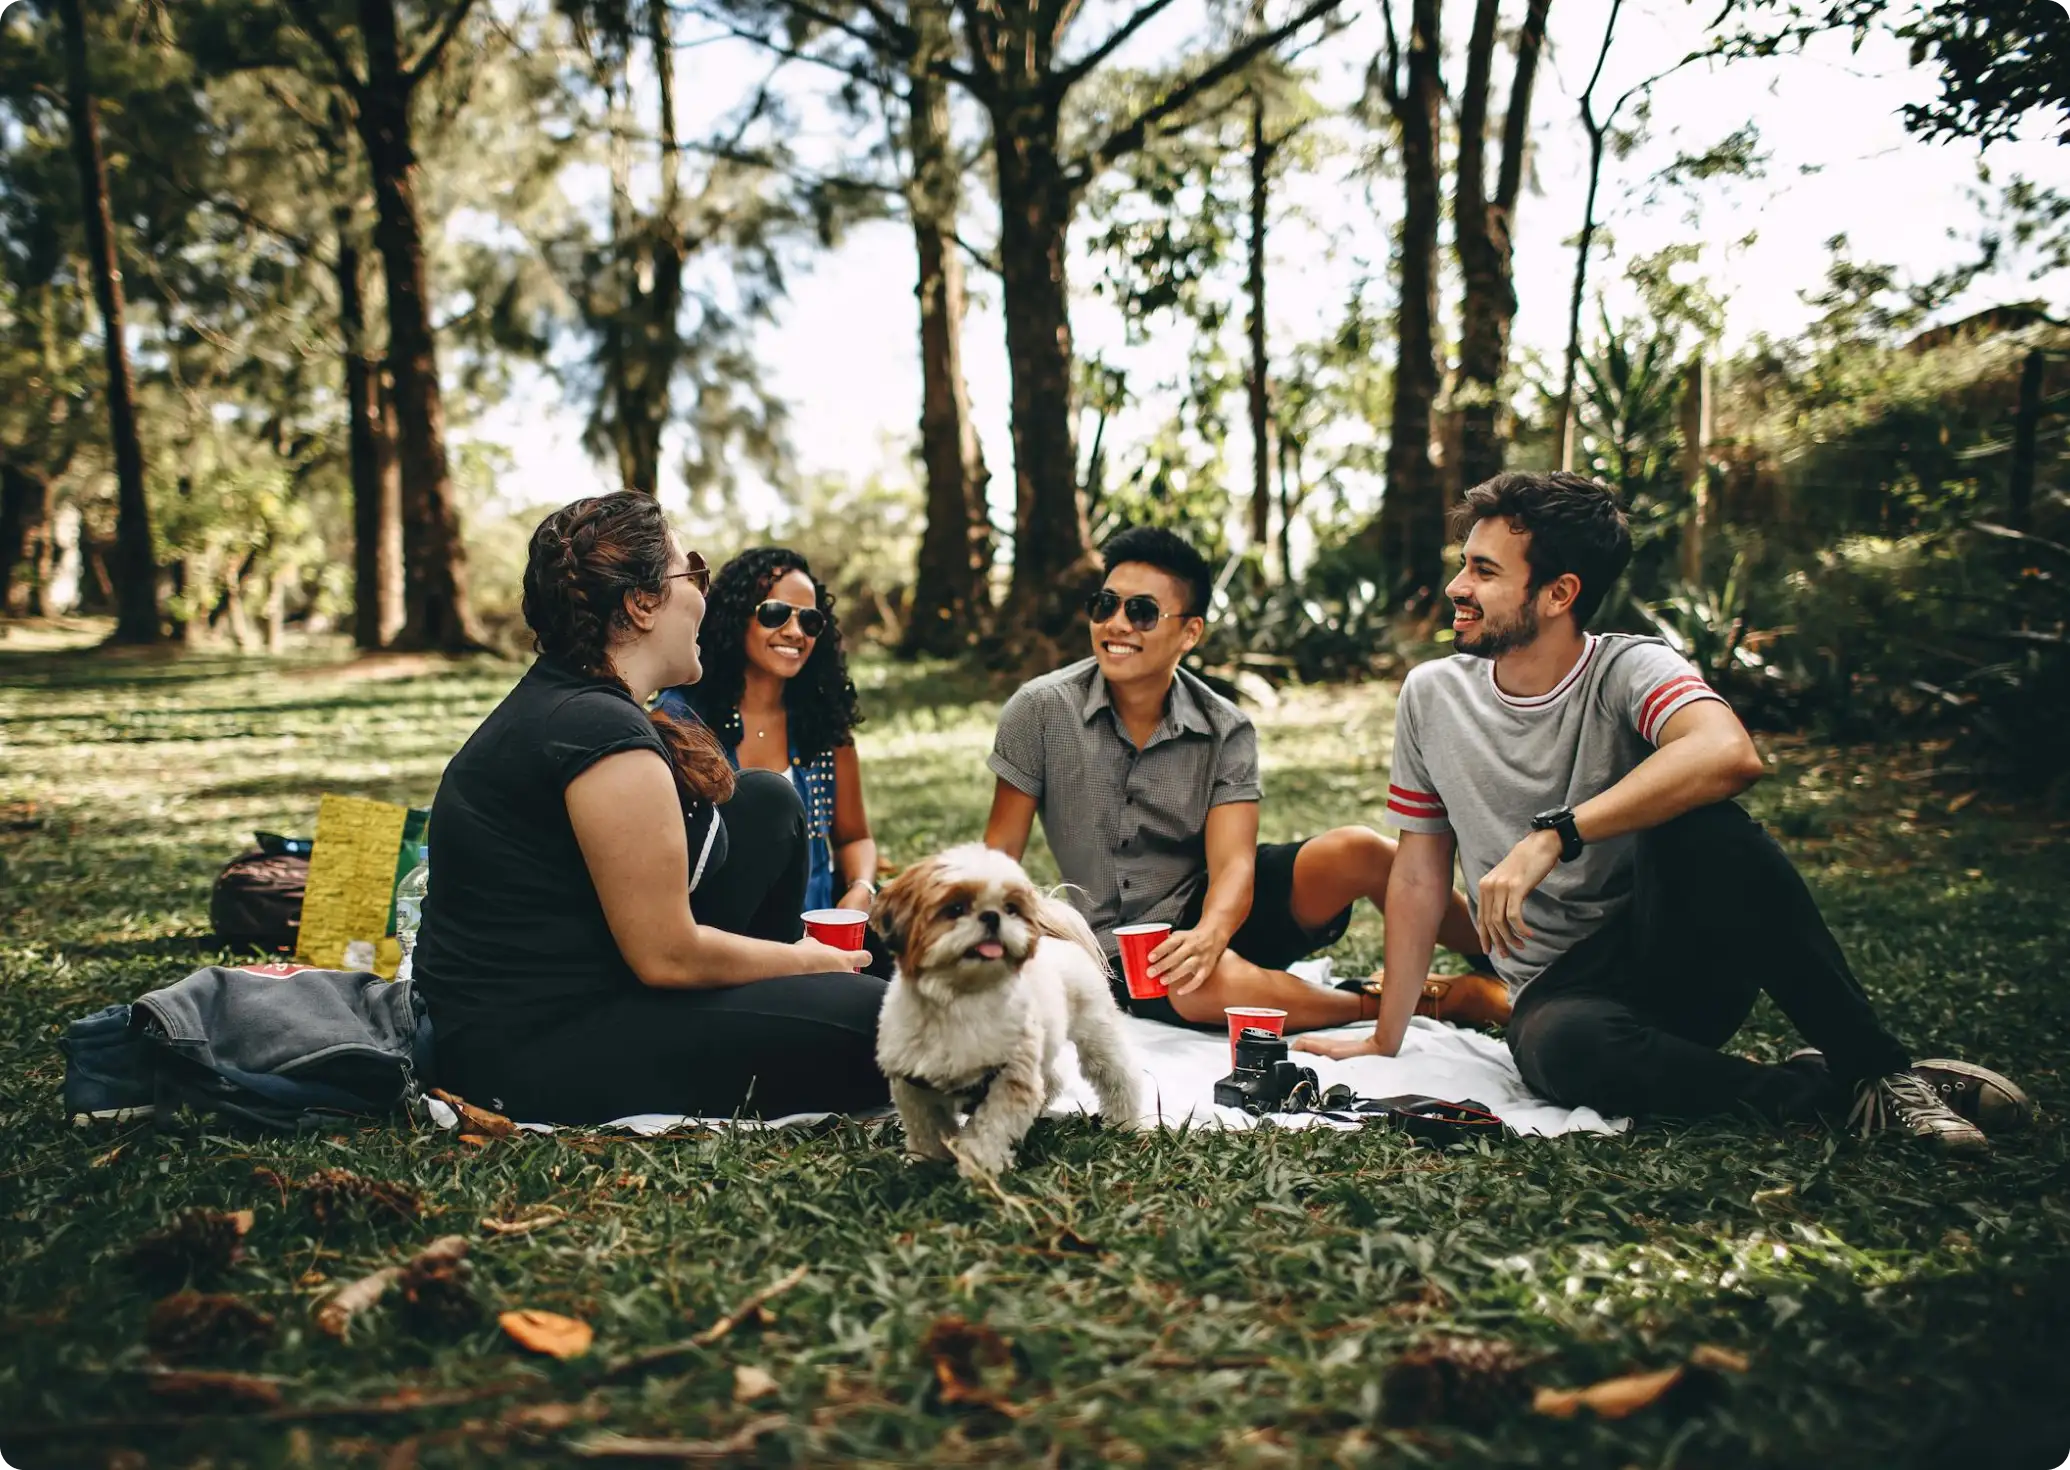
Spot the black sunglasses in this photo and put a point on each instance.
(1143, 612)
(774, 614)
(698, 573)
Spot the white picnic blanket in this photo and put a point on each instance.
(1180, 1069)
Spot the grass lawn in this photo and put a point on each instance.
(1162, 1299)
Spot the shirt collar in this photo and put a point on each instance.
(1182, 710)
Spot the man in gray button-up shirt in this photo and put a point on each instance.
(1146, 781)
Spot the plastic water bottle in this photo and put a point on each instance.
(409, 910)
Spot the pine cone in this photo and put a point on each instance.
(332, 1192)
(197, 1324)
(1454, 1380)
(438, 1295)
(196, 1244)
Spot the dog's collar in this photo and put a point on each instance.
(978, 1088)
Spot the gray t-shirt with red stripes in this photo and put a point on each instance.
(1479, 763)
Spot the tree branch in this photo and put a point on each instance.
(417, 70)
(1062, 81)
(1126, 139)
(789, 53)
(311, 25)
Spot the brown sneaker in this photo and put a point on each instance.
(1987, 1098)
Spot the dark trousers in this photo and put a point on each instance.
(1630, 1020)
(799, 1044)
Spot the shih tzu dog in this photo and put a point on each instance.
(992, 977)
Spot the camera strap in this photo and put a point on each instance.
(1432, 1120)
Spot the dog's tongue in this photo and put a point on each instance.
(991, 949)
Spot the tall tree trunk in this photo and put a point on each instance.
(24, 537)
(1412, 517)
(1696, 466)
(2019, 496)
(1052, 560)
(952, 595)
(1597, 132)
(377, 540)
(136, 617)
(1258, 384)
(1485, 231)
(438, 613)
(661, 283)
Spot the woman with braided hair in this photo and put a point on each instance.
(613, 921)
(776, 692)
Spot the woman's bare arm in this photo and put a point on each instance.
(628, 821)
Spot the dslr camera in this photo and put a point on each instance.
(1265, 1081)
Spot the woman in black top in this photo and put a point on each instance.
(613, 920)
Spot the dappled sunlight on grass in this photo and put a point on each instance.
(1168, 1298)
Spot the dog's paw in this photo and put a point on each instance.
(932, 1152)
(981, 1163)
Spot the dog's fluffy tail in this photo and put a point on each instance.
(1058, 919)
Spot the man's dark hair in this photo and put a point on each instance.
(1171, 554)
(1575, 526)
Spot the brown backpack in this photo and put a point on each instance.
(257, 900)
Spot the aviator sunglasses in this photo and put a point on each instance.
(774, 614)
(697, 573)
(1143, 612)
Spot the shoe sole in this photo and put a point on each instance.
(109, 1115)
(2001, 1106)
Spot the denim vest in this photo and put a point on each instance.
(812, 775)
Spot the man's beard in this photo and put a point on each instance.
(1493, 639)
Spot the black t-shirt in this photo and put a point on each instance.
(514, 938)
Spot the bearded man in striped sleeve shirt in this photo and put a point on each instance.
(1636, 912)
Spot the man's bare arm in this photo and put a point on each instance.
(1418, 891)
(1011, 821)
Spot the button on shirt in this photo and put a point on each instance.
(1127, 826)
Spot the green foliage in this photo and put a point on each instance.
(1169, 1299)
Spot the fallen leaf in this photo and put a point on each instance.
(547, 1332)
(103, 1160)
(202, 1388)
(751, 1383)
(1619, 1398)
(550, 1215)
(474, 1140)
(1718, 1360)
(972, 1364)
(476, 1120)
(1961, 801)
(1069, 1242)
(547, 1418)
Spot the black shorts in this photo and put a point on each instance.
(1271, 938)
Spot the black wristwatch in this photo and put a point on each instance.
(1561, 820)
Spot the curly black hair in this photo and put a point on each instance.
(820, 703)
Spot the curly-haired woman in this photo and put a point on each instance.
(776, 692)
(612, 925)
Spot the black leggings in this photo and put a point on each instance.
(1630, 1020)
(799, 1044)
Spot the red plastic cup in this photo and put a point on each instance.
(1137, 941)
(1243, 1018)
(842, 928)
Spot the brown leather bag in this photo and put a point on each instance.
(257, 901)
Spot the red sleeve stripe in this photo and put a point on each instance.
(1671, 693)
(1422, 814)
(1407, 803)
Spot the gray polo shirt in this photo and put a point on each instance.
(1478, 763)
(1127, 826)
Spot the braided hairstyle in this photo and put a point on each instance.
(584, 561)
(819, 703)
